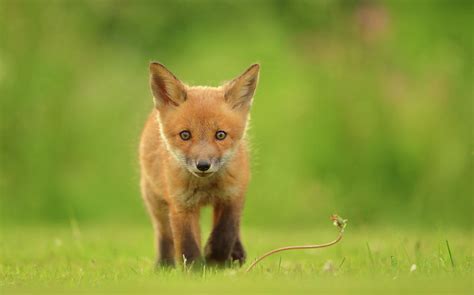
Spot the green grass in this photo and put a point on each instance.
(110, 258)
(363, 108)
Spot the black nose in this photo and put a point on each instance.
(203, 165)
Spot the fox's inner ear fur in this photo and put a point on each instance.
(165, 87)
(239, 92)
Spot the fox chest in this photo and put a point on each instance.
(204, 192)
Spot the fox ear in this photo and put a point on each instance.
(239, 92)
(165, 87)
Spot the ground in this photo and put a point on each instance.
(110, 258)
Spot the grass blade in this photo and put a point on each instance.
(450, 254)
(370, 254)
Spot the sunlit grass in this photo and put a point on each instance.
(110, 257)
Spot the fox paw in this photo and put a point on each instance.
(238, 253)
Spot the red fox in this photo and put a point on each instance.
(193, 152)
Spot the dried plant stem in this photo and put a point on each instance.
(315, 246)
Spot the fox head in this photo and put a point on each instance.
(202, 126)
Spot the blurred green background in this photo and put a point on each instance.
(363, 108)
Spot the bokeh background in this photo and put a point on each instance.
(363, 108)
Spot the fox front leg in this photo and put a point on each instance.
(224, 242)
(185, 226)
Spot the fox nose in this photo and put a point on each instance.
(203, 165)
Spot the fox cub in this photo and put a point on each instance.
(193, 152)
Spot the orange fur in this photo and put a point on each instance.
(173, 187)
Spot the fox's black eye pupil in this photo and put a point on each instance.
(185, 135)
(220, 135)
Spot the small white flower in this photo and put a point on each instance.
(328, 266)
(413, 268)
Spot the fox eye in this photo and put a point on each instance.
(185, 135)
(221, 135)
